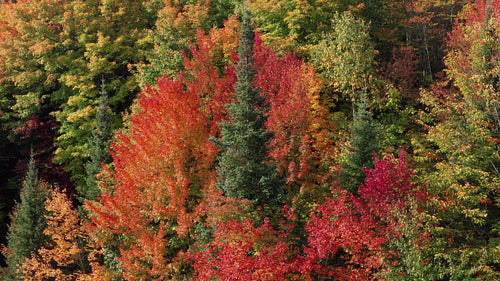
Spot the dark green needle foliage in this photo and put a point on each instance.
(25, 234)
(243, 169)
(363, 145)
(99, 147)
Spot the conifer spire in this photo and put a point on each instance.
(25, 234)
(243, 169)
(100, 145)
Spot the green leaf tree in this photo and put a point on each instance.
(464, 128)
(346, 57)
(26, 235)
(243, 167)
(295, 24)
(114, 42)
(56, 52)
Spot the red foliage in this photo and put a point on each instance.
(344, 241)
(42, 132)
(302, 140)
(347, 234)
(401, 69)
(388, 186)
(242, 251)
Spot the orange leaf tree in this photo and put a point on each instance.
(61, 258)
(162, 165)
(302, 145)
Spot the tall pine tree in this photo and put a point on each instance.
(26, 235)
(99, 147)
(243, 168)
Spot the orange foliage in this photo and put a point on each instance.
(186, 18)
(62, 258)
(163, 165)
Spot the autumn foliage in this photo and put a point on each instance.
(302, 144)
(240, 250)
(369, 151)
(162, 166)
(62, 258)
(348, 235)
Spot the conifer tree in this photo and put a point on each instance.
(26, 235)
(363, 145)
(100, 145)
(243, 169)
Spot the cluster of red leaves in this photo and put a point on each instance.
(345, 240)
(43, 132)
(347, 234)
(401, 69)
(302, 139)
(241, 251)
(388, 186)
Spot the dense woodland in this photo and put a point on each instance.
(250, 140)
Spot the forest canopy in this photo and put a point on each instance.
(249, 140)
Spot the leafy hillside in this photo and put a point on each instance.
(250, 140)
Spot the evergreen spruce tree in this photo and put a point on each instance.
(25, 234)
(243, 169)
(363, 145)
(99, 144)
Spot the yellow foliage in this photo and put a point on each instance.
(80, 114)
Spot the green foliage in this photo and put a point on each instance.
(175, 30)
(419, 252)
(99, 147)
(113, 42)
(295, 24)
(465, 130)
(26, 235)
(55, 52)
(395, 120)
(244, 171)
(346, 57)
(363, 145)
